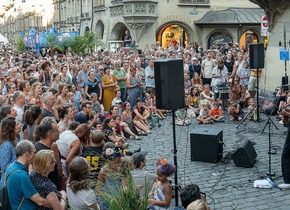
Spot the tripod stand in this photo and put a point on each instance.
(257, 106)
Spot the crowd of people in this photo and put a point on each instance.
(66, 118)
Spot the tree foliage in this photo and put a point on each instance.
(84, 43)
(20, 45)
(54, 43)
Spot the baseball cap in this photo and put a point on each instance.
(194, 58)
(138, 157)
(118, 101)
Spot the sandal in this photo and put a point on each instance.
(135, 137)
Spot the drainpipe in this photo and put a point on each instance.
(92, 15)
(81, 16)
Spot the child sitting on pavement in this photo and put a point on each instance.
(182, 119)
(204, 116)
(236, 112)
(216, 113)
(252, 111)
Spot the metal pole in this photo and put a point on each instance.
(286, 82)
(175, 159)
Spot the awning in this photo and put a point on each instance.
(232, 16)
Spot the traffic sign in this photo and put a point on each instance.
(284, 54)
(264, 26)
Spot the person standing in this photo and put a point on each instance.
(121, 76)
(149, 76)
(207, 66)
(285, 158)
(109, 83)
(127, 39)
(134, 85)
(10, 128)
(19, 101)
(82, 78)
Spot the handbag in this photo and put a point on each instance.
(4, 199)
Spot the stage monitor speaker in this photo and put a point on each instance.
(256, 56)
(169, 84)
(245, 155)
(206, 145)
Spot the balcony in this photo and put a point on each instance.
(115, 2)
(99, 8)
(200, 3)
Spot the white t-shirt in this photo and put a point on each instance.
(81, 199)
(207, 67)
(66, 138)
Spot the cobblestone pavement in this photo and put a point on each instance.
(226, 185)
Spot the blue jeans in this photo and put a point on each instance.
(123, 94)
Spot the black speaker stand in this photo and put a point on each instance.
(270, 174)
(175, 160)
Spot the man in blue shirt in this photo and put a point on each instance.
(84, 115)
(21, 192)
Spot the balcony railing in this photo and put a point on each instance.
(116, 2)
(194, 1)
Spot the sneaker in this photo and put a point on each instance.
(221, 120)
(284, 186)
(281, 122)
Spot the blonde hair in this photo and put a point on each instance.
(42, 161)
(197, 205)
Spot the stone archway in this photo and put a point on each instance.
(219, 37)
(118, 31)
(87, 29)
(174, 32)
(100, 29)
(248, 37)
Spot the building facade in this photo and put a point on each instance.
(180, 21)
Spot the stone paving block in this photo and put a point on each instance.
(234, 185)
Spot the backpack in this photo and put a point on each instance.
(4, 199)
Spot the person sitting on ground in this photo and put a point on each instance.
(193, 102)
(252, 110)
(79, 188)
(235, 111)
(216, 113)
(181, 116)
(42, 165)
(21, 191)
(204, 116)
(142, 178)
(206, 95)
(93, 152)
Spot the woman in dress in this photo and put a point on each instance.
(9, 130)
(134, 85)
(35, 94)
(93, 85)
(43, 164)
(32, 119)
(109, 83)
(79, 190)
(62, 95)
